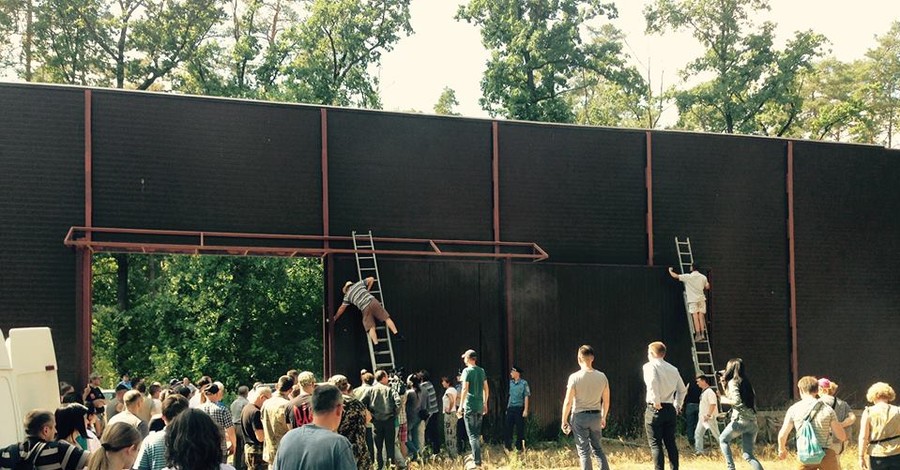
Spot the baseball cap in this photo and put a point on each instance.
(824, 383)
(470, 353)
(516, 369)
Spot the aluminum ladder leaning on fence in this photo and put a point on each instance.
(381, 354)
(701, 350)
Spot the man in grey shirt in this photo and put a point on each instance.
(383, 402)
(237, 406)
(587, 401)
(823, 419)
(316, 445)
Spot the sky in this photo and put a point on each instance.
(444, 52)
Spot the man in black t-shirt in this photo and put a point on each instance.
(299, 412)
(691, 409)
(252, 429)
(95, 400)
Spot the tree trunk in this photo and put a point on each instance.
(29, 38)
(122, 281)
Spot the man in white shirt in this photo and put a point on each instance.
(665, 394)
(708, 411)
(694, 285)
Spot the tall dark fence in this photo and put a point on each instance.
(585, 194)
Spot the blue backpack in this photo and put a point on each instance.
(809, 450)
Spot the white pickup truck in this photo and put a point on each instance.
(28, 379)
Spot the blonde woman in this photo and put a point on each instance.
(879, 430)
(118, 449)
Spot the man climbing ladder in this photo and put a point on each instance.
(357, 293)
(694, 285)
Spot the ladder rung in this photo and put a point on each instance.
(364, 247)
(368, 269)
(382, 352)
(366, 257)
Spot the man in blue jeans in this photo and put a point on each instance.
(585, 409)
(473, 401)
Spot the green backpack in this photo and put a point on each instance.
(809, 450)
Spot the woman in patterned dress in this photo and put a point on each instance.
(353, 423)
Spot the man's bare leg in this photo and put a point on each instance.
(698, 330)
(703, 322)
(390, 324)
(373, 335)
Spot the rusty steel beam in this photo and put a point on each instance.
(203, 245)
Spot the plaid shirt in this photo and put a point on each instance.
(221, 416)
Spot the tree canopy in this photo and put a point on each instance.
(537, 52)
(754, 86)
(237, 319)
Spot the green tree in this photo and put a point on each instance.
(537, 52)
(144, 40)
(245, 53)
(17, 18)
(883, 77)
(628, 102)
(315, 51)
(754, 89)
(834, 101)
(123, 43)
(239, 319)
(335, 47)
(446, 102)
(63, 44)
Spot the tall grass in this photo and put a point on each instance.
(622, 455)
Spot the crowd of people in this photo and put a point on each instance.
(389, 421)
(295, 423)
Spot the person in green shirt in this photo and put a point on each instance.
(473, 400)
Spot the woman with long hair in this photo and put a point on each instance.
(740, 395)
(194, 442)
(413, 403)
(118, 449)
(71, 425)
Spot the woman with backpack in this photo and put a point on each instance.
(740, 395)
(879, 430)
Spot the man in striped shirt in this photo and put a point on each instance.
(40, 448)
(357, 293)
(152, 455)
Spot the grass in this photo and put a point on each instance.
(622, 455)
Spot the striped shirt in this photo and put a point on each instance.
(430, 402)
(57, 455)
(358, 294)
(153, 452)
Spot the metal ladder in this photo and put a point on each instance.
(701, 351)
(382, 354)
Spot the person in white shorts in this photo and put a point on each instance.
(694, 285)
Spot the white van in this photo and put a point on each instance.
(28, 379)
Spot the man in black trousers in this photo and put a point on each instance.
(665, 395)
